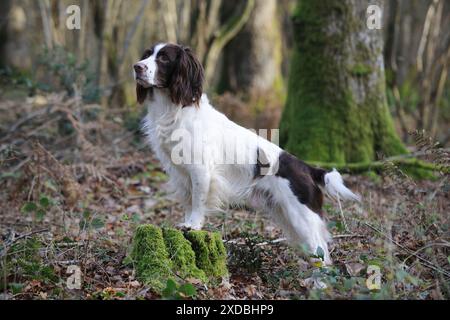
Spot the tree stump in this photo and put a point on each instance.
(160, 254)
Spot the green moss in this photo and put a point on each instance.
(209, 251)
(161, 254)
(360, 69)
(415, 168)
(152, 263)
(420, 170)
(373, 176)
(182, 255)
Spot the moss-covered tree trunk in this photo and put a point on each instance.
(336, 109)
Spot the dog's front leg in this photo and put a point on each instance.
(200, 179)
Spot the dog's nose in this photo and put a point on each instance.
(139, 67)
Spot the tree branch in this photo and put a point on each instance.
(224, 35)
(360, 167)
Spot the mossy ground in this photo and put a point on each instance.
(160, 254)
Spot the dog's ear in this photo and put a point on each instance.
(141, 93)
(186, 85)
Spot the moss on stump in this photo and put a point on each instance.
(160, 254)
(182, 255)
(209, 251)
(150, 256)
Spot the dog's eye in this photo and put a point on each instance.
(147, 53)
(163, 58)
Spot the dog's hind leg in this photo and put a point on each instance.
(300, 224)
(309, 229)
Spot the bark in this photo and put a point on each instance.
(336, 109)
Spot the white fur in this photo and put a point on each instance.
(334, 185)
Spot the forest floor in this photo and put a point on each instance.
(75, 183)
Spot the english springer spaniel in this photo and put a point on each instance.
(212, 162)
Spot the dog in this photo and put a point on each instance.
(213, 162)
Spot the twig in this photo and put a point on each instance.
(271, 242)
(68, 244)
(258, 244)
(27, 235)
(342, 214)
(27, 118)
(340, 236)
(17, 167)
(15, 239)
(65, 262)
(443, 244)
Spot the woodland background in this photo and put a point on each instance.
(77, 176)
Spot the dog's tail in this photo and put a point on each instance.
(334, 185)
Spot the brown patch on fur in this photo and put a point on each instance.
(142, 93)
(304, 181)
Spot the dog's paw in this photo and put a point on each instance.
(196, 226)
(190, 225)
(184, 226)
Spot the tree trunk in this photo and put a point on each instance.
(14, 36)
(4, 12)
(336, 109)
(252, 62)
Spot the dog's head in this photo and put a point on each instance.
(172, 67)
